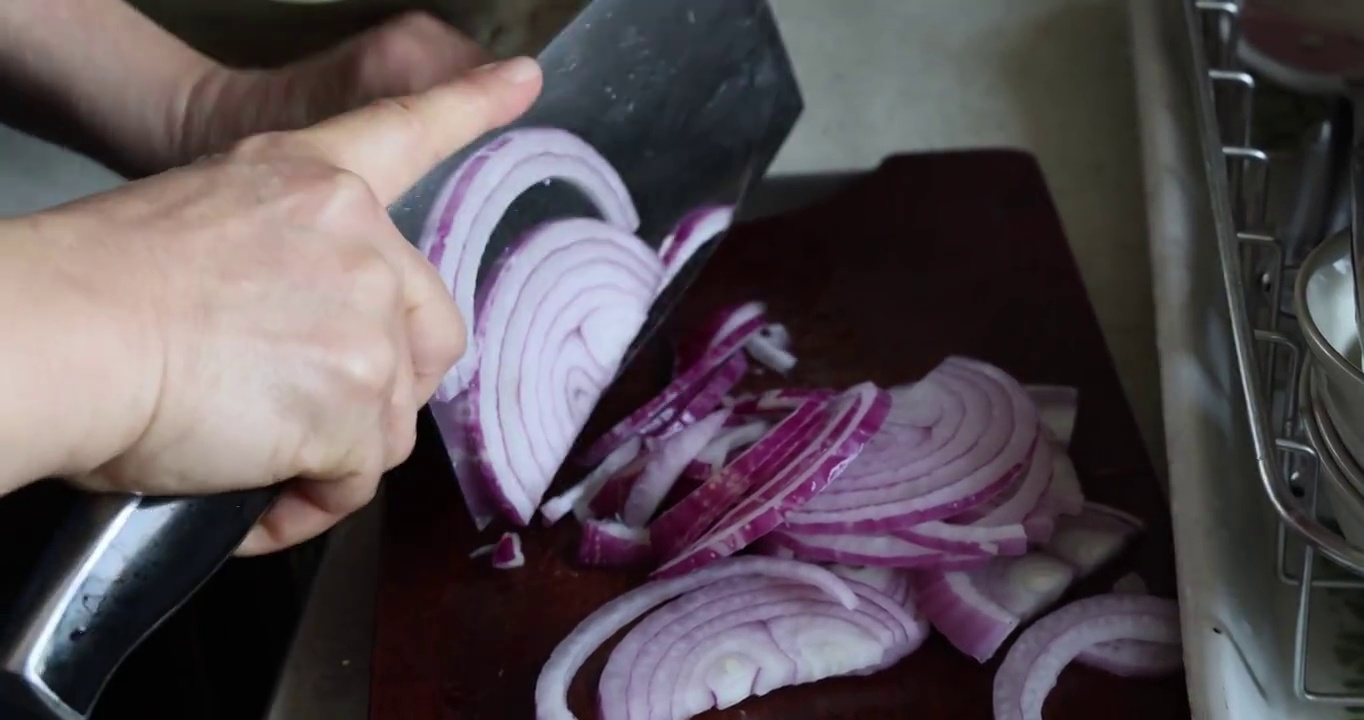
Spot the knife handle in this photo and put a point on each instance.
(121, 565)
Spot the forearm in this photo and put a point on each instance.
(69, 375)
(107, 67)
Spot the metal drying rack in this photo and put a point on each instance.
(1269, 349)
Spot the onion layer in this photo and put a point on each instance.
(551, 690)
(1035, 661)
(479, 193)
(557, 320)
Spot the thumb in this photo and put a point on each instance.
(392, 143)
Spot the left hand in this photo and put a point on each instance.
(404, 56)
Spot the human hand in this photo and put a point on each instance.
(409, 54)
(279, 325)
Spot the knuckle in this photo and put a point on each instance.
(374, 282)
(403, 114)
(370, 366)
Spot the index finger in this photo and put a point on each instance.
(392, 143)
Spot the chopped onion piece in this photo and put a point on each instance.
(709, 397)
(870, 550)
(779, 401)
(745, 637)
(845, 425)
(1035, 661)
(959, 438)
(716, 453)
(665, 466)
(551, 689)
(977, 610)
(556, 322)
(1093, 537)
(608, 543)
(772, 348)
(478, 195)
(737, 325)
(1057, 404)
(505, 554)
(578, 498)
(1134, 658)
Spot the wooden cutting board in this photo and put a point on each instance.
(929, 255)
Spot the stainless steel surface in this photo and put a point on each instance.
(1325, 304)
(1320, 194)
(1268, 350)
(1341, 474)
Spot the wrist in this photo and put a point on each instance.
(86, 375)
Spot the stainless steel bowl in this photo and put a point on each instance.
(1340, 477)
(1324, 301)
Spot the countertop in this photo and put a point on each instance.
(879, 76)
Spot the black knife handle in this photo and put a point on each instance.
(121, 565)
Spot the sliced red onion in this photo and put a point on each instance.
(745, 637)
(772, 348)
(609, 500)
(780, 401)
(892, 582)
(847, 422)
(1063, 497)
(452, 418)
(1134, 658)
(997, 527)
(738, 324)
(1035, 661)
(696, 228)
(977, 610)
(480, 192)
(551, 690)
(710, 396)
(608, 543)
(557, 320)
(716, 453)
(960, 437)
(684, 522)
(1093, 537)
(576, 499)
(665, 466)
(1057, 404)
(870, 550)
(505, 554)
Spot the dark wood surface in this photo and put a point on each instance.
(929, 255)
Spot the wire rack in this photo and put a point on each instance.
(1312, 554)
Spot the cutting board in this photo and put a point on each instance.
(928, 255)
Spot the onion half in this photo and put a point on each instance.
(556, 322)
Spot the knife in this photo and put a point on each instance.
(688, 99)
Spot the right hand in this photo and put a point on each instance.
(282, 327)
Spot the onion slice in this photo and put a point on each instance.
(894, 583)
(551, 689)
(734, 328)
(847, 422)
(1057, 405)
(557, 320)
(1033, 664)
(870, 550)
(716, 453)
(608, 543)
(577, 499)
(959, 437)
(771, 347)
(505, 554)
(1093, 537)
(665, 466)
(478, 195)
(696, 228)
(977, 610)
(745, 637)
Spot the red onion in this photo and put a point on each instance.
(451, 419)
(1035, 661)
(870, 550)
(710, 396)
(556, 322)
(1057, 404)
(479, 193)
(960, 437)
(505, 554)
(684, 522)
(738, 324)
(782, 401)
(578, 498)
(845, 425)
(977, 610)
(892, 582)
(665, 466)
(716, 453)
(551, 690)
(1093, 537)
(771, 347)
(745, 637)
(608, 543)
(696, 228)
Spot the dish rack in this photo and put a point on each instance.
(1312, 555)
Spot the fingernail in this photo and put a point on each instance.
(516, 70)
